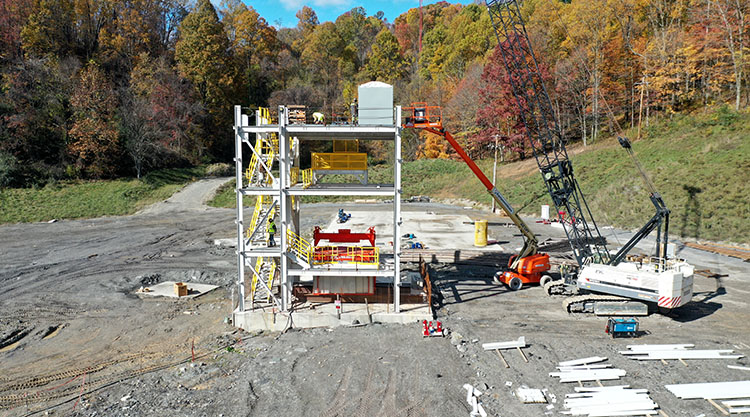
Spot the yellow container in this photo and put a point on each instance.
(480, 233)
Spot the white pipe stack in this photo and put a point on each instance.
(609, 401)
(682, 351)
(581, 370)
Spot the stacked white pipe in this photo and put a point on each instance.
(679, 351)
(618, 400)
(734, 394)
(586, 369)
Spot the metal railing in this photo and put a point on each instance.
(299, 246)
(346, 145)
(307, 177)
(360, 255)
(264, 147)
(344, 161)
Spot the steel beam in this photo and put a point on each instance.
(397, 214)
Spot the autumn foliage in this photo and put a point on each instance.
(95, 89)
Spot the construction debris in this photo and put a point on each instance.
(680, 352)
(728, 250)
(472, 397)
(530, 395)
(609, 401)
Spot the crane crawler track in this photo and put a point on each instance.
(577, 304)
(556, 287)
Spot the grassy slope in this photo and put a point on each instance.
(73, 200)
(706, 152)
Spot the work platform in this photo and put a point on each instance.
(268, 168)
(328, 132)
(385, 190)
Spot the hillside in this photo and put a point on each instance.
(699, 162)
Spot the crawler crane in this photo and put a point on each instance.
(529, 266)
(598, 275)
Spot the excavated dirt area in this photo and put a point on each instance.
(76, 340)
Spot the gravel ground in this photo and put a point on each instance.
(75, 340)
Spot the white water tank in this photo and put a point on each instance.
(375, 104)
(545, 212)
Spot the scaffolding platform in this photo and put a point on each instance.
(343, 189)
(268, 168)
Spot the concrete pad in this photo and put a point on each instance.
(324, 315)
(166, 289)
(230, 242)
(434, 231)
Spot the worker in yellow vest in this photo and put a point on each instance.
(271, 232)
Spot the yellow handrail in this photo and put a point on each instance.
(298, 245)
(349, 161)
(307, 177)
(254, 282)
(294, 175)
(267, 147)
(265, 115)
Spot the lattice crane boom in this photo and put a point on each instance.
(543, 133)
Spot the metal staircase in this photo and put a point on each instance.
(259, 174)
(265, 274)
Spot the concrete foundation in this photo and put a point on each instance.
(166, 289)
(324, 315)
(434, 231)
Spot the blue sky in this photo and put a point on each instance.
(281, 13)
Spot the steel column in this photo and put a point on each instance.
(240, 241)
(284, 209)
(397, 214)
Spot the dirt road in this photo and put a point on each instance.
(76, 340)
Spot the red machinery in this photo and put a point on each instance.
(344, 236)
(528, 266)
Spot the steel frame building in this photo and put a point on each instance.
(282, 188)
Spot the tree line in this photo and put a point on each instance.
(101, 89)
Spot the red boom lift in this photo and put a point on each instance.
(529, 266)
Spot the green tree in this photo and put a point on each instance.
(34, 112)
(202, 55)
(385, 62)
(328, 60)
(94, 144)
(50, 29)
(254, 47)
